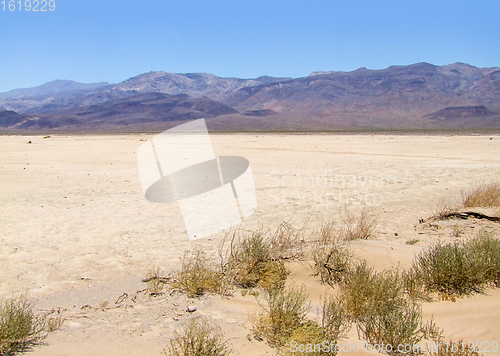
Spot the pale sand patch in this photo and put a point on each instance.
(76, 229)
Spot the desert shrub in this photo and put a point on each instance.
(366, 292)
(20, 326)
(461, 267)
(253, 259)
(336, 320)
(486, 250)
(393, 324)
(247, 258)
(455, 348)
(359, 227)
(199, 338)
(285, 312)
(486, 195)
(414, 286)
(274, 275)
(199, 274)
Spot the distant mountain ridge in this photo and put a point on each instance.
(398, 97)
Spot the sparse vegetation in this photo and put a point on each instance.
(359, 227)
(412, 242)
(20, 326)
(486, 195)
(154, 281)
(199, 338)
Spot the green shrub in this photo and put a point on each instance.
(199, 338)
(20, 326)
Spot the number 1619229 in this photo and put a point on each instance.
(28, 5)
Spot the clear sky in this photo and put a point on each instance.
(101, 40)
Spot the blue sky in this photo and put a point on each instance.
(93, 41)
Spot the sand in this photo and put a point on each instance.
(77, 232)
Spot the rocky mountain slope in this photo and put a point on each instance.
(416, 96)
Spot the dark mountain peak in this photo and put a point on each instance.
(460, 112)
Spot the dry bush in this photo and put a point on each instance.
(443, 210)
(331, 262)
(455, 348)
(359, 227)
(287, 242)
(20, 326)
(486, 195)
(460, 267)
(199, 274)
(199, 338)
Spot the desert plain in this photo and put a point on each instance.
(79, 236)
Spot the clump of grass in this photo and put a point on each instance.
(359, 227)
(460, 267)
(486, 195)
(20, 326)
(198, 274)
(199, 338)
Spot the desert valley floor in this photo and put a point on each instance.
(79, 236)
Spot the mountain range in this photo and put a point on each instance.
(412, 97)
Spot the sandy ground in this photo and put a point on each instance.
(77, 232)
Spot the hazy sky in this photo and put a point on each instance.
(93, 41)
